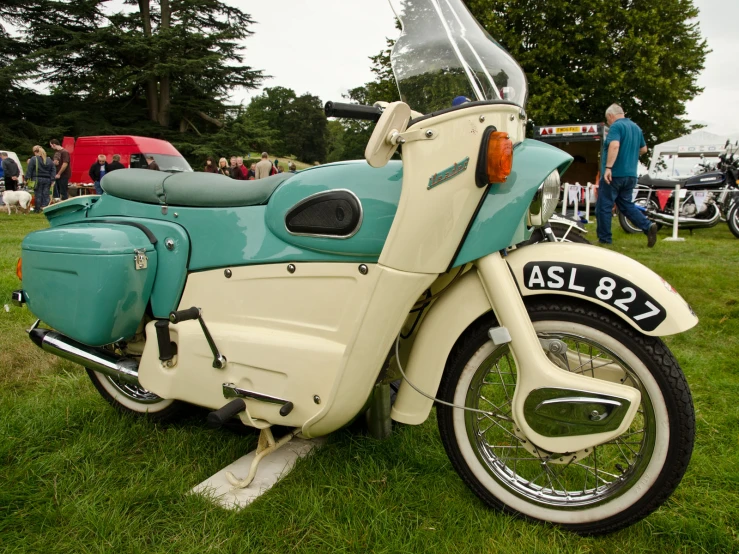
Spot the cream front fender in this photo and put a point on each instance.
(611, 280)
(445, 321)
(466, 301)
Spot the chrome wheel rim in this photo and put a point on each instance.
(137, 393)
(568, 481)
(649, 205)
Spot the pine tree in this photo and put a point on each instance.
(182, 56)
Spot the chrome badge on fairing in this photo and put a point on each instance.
(449, 173)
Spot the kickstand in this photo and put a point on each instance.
(266, 445)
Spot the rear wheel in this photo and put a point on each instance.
(591, 492)
(733, 219)
(649, 204)
(135, 399)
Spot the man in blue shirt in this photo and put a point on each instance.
(624, 144)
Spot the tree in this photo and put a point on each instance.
(298, 121)
(581, 56)
(182, 56)
(351, 143)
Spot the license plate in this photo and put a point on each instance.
(598, 284)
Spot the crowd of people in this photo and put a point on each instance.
(50, 174)
(239, 171)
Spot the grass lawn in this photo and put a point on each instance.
(78, 477)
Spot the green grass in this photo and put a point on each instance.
(75, 476)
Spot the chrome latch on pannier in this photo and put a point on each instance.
(140, 260)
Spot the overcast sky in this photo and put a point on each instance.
(322, 47)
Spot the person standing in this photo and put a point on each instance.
(11, 171)
(624, 144)
(223, 167)
(264, 167)
(235, 170)
(151, 163)
(63, 170)
(98, 170)
(242, 168)
(116, 163)
(41, 170)
(210, 167)
(252, 173)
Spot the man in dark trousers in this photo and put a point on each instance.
(98, 171)
(63, 170)
(11, 171)
(624, 144)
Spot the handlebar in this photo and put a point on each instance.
(352, 111)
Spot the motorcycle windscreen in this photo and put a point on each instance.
(89, 281)
(444, 53)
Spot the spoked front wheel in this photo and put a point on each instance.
(595, 491)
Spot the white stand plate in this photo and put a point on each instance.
(271, 469)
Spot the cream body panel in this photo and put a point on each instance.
(320, 331)
(430, 223)
(283, 334)
(394, 296)
(679, 315)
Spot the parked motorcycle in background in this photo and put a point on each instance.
(705, 199)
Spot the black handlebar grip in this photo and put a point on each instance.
(352, 111)
(220, 417)
(184, 315)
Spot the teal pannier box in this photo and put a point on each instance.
(90, 281)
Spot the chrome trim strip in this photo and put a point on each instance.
(342, 237)
(232, 391)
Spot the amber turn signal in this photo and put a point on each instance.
(19, 269)
(499, 157)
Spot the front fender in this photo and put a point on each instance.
(466, 301)
(616, 282)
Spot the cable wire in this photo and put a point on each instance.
(419, 391)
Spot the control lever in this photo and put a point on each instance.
(219, 360)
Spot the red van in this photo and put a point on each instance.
(133, 151)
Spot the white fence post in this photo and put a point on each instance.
(588, 189)
(676, 211)
(566, 199)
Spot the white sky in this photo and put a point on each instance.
(322, 47)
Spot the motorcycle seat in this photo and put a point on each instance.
(193, 189)
(648, 181)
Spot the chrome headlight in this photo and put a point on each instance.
(545, 200)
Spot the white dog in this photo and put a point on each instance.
(17, 198)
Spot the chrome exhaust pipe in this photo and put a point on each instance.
(685, 222)
(122, 368)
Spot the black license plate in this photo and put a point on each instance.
(597, 284)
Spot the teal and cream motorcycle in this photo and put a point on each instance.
(289, 301)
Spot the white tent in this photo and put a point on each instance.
(671, 154)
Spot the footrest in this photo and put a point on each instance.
(218, 418)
